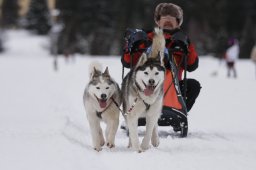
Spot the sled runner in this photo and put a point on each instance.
(174, 111)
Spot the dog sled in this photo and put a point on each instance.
(174, 111)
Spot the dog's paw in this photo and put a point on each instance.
(140, 150)
(145, 147)
(110, 145)
(98, 149)
(129, 144)
(145, 144)
(155, 142)
(102, 142)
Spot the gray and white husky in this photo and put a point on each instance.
(102, 99)
(142, 94)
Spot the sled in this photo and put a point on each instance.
(174, 111)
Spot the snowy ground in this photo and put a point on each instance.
(43, 124)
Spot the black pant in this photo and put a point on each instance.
(192, 92)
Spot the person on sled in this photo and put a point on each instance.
(168, 17)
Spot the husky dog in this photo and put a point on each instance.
(142, 94)
(102, 99)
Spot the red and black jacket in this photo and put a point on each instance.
(130, 59)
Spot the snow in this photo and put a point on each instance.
(43, 123)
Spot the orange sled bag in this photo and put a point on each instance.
(174, 112)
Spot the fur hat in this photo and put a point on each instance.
(171, 9)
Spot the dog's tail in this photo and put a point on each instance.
(95, 65)
(158, 44)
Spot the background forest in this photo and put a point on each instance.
(97, 27)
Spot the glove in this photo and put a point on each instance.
(180, 42)
(133, 38)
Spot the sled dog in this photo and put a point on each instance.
(142, 94)
(102, 99)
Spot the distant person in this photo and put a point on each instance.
(231, 56)
(253, 56)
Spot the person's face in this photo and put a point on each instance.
(167, 22)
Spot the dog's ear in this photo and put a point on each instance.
(106, 73)
(95, 73)
(94, 70)
(142, 60)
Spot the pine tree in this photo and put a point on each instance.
(9, 13)
(38, 17)
(68, 17)
(100, 21)
(91, 20)
(1, 42)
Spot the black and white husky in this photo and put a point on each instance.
(142, 94)
(102, 99)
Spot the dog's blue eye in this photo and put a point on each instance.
(97, 87)
(156, 73)
(146, 73)
(107, 87)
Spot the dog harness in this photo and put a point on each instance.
(136, 99)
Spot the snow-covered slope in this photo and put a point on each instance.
(43, 123)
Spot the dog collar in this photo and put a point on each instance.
(100, 113)
(113, 101)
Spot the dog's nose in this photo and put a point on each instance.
(103, 96)
(151, 81)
